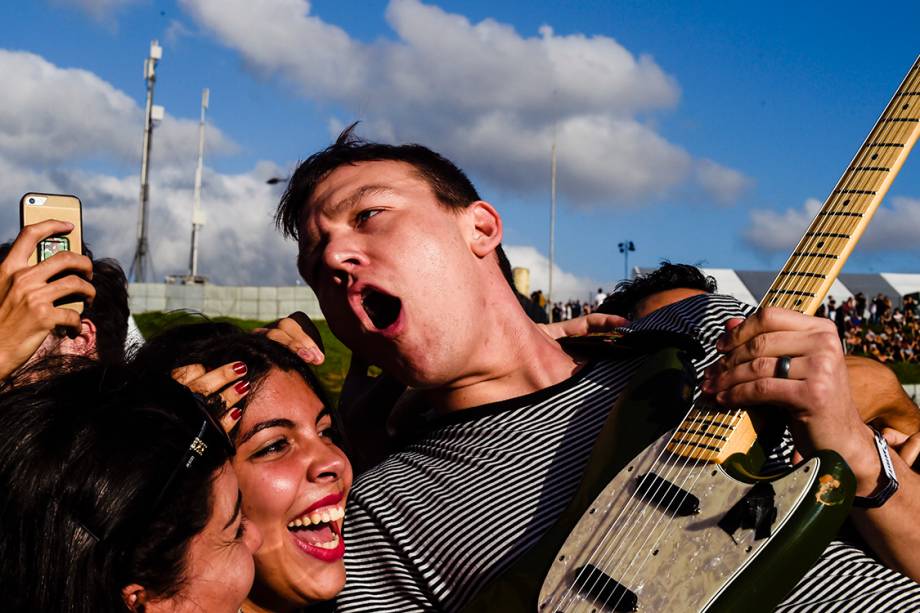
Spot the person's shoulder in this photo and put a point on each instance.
(695, 314)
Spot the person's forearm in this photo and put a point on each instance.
(892, 530)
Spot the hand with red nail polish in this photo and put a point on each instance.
(298, 334)
(223, 382)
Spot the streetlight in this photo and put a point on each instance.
(625, 248)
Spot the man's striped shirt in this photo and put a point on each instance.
(434, 522)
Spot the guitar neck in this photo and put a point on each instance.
(712, 433)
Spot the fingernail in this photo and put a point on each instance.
(235, 414)
(242, 387)
(720, 397)
(239, 368)
(305, 354)
(706, 385)
(317, 355)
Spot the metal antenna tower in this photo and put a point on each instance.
(153, 113)
(198, 216)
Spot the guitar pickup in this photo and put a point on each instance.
(604, 589)
(668, 497)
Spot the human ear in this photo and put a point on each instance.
(486, 234)
(135, 597)
(83, 344)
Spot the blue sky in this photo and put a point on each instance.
(703, 132)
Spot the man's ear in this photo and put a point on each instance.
(486, 233)
(83, 344)
(135, 597)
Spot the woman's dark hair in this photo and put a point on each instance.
(94, 494)
(215, 344)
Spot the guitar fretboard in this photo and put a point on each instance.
(713, 433)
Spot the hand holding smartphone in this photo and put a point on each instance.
(33, 293)
(35, 208)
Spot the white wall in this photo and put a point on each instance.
(244, 302)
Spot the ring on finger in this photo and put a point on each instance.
(783, 364)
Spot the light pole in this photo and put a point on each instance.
(552, 227)
(152, 113)
(625, 248)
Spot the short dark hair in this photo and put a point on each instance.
(109, 310)
(630, 292)
(450, 185)
(84, 456)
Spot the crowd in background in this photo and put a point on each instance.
(570, 309)
(876, 327)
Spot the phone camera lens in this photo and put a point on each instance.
(31, 200)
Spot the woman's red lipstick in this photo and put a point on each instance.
(325, 501)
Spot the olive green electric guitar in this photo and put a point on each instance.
(673, 513)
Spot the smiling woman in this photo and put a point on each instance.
(293, 475)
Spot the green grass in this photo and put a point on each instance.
(333, 370)
(331, 373)
(907, 372)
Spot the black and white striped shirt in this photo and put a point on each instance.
(429, 526)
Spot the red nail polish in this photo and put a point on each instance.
(235, 414)
(239, 368)
(242, 387)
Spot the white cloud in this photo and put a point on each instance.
(175, 31)
(895, 226)
(484, 95)
(52, 115)
(771, 231)
(103, 11)
(725, 185)
(53, 119)
(239, 244)
(565, 284)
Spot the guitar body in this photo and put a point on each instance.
(678, 563)
(691, 563)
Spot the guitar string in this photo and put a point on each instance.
(635, 503)
(710, 425)
(683, 450)
(854, 181)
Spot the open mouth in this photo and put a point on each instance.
(318, 533)
(382, 309)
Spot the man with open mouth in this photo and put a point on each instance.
(406, 261)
